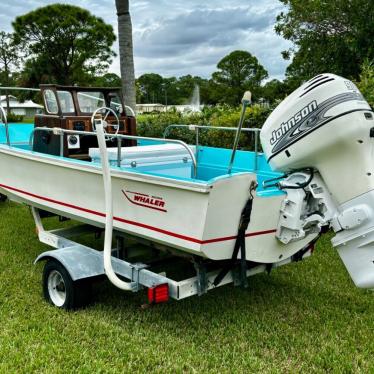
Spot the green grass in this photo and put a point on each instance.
(305, 317)
(28, 120)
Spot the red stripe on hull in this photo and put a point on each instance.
(138, 224)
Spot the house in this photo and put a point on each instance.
(28, 108)
(150, 108)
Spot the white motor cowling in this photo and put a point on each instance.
(325, 124)
(325, 129)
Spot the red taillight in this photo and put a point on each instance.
(158, 294)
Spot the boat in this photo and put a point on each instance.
(162, 200)
(84, 161)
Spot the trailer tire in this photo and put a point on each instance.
(3, 198)
(61, 291)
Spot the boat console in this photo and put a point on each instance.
(72, 108)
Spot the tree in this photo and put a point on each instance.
(154, 88)
(239, 71)
(275, 90)
(185, 86)
(150, 86)
(126, 53)
(107, 80)
(169, 90)
(65, 43)
(329, 36)
(366, 82)
(10, 58)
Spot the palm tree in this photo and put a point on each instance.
(126, 56)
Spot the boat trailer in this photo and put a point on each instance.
(82, 264)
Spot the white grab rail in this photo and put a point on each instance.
(126, 286)
(61, 132)
(5, 121)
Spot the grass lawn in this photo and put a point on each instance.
(304, 317)
(28, 120)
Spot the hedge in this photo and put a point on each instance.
(154, 125)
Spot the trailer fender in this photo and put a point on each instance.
(79, 261)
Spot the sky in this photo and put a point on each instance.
(179, 37)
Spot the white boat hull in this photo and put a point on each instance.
(198, 218)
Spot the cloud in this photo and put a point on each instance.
(175, 37)
(192, 42)
(193, 29)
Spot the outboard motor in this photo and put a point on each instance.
(321, 137)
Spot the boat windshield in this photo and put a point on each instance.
(50, 102)
(115, 103)
(66, 101)
(90, 101)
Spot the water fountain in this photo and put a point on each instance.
(195, 100)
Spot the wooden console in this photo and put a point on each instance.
(77, 146)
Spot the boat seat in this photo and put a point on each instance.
(146, 155)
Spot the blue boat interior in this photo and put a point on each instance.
(212, 163)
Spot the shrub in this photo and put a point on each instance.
(366, 83)
(154, 125)
(14, 117)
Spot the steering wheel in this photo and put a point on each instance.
(105, 123)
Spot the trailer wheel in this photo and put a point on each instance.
(3, 198)
(61, 291)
